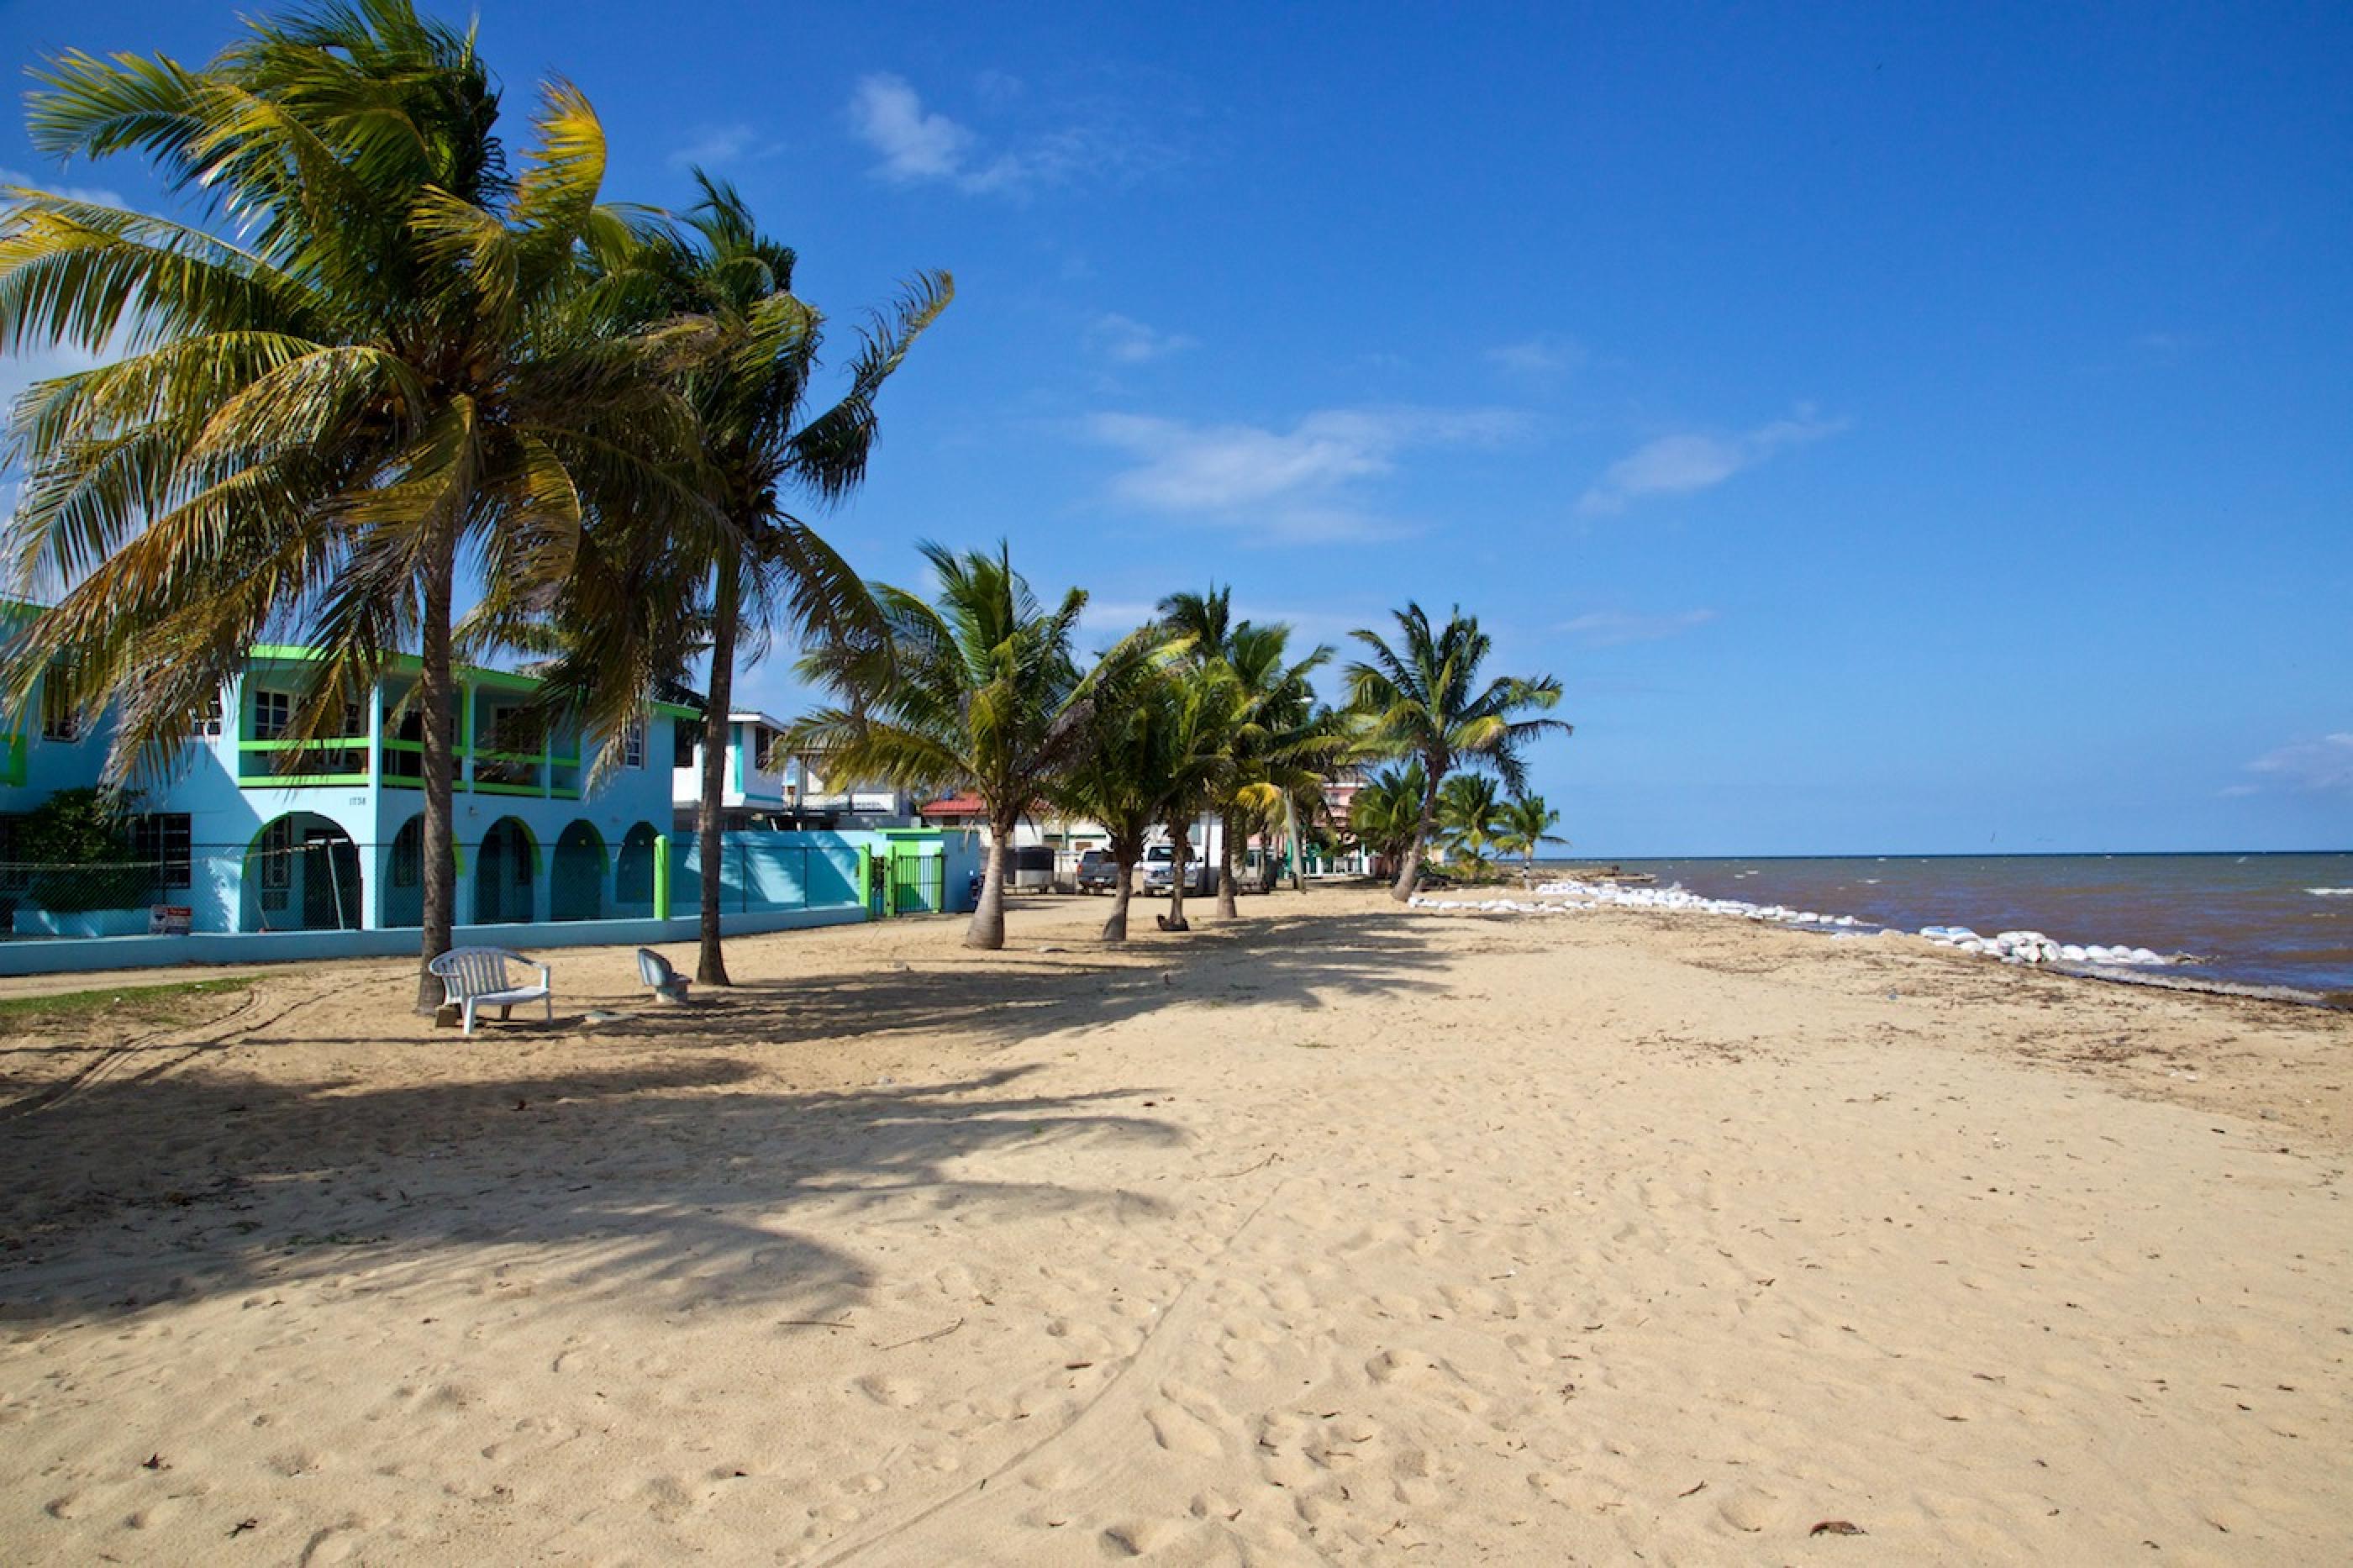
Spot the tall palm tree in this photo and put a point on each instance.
(1422, 698)
(1468, 814)
(390, 378)
(751, 564)
(1526, 825)
(975, 690)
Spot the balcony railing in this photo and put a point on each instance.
(343, 762)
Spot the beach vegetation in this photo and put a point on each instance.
(974, 688)
(1524, 827)
(384, 377)
(1420, 696)
(716, 584)
(1140, 753)
(172, 1002)
(1470, 816)
(1281, 736)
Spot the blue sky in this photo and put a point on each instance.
(1927, 433)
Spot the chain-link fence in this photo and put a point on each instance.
(316, 877)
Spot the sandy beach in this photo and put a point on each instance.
(1341, 1233)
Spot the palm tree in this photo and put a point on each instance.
(1526, 825)
(1422, 698)
(975, 690)
(1136, 761)
(1385, 811)
(1210, 711)
(1279, 735)
(754, 563)
(1468, 814)
(392, 369)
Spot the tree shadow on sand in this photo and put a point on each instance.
(677, 1178)
(175, 1188)
(1300, 962)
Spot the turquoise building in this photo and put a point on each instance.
(251, 829)
(250, 842)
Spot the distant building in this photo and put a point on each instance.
(769, 789)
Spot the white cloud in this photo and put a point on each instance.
(716, 146)
(1543, 354)
(1104, 621)
(1297, 483)
(1610, 628)
(1122, 340)
(1682, 464)
(2233, 791)
(96, 195)
(915, 145)
(919, 145)
(2323, 766)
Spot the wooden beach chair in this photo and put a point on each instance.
(654, 970)
(473, 978)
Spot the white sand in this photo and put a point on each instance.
(1333, 1236)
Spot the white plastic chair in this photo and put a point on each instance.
(473, 978)
(655, 972)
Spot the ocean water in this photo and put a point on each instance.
(2240, 919)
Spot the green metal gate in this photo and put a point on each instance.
(918, 883)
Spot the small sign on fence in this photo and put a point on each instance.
(170, 920)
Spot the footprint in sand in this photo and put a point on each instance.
(340, 1543)
(898, 1393)
(1182, 1433)
(1134, 1538)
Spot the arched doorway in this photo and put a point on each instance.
(302, 872)
(504, 872)
(633, 872)
(575, 888)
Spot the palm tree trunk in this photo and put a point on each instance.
(1227, 908)
(1409, 874)
(434, 685)
(1298, 849)
(1115, 926)
(1180, 847)
(711, 967)
(988, 928)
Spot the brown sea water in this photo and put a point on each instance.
(2239, 920)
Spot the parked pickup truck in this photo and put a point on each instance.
(1098, 872)
(1160, 871)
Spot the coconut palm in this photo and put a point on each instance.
(752, 565)
(1469, 813)
(1385, 811)
(1136, 758)
(1280, 735)
(1283, 748)
(1210, 710)
(1422, 698)
(389, 380)
(1525, 826)
(976, 689)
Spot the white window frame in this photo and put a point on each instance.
(633, 742)
(264, 699)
